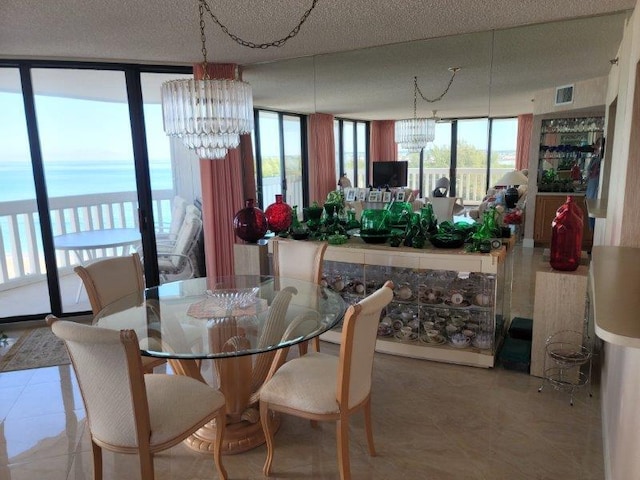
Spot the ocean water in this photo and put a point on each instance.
(66, 178)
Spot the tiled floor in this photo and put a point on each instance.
(431, 421)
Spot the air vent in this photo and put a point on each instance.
(564, 95)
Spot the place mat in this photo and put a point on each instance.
(36, 348)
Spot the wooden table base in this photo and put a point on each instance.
(235, 374)
(238, 438)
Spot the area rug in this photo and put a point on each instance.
(36, 348)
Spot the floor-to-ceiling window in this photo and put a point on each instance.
(504, 138)
(281, 157)
(87, 155)
(471, 160)
(77, 177)
(352, 150)
(472, 153)
(20, 236)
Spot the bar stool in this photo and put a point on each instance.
(567, 362)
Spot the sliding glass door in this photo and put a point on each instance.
(87, 156)
(85, 168)
(21, 261)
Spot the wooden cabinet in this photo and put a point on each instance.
(546, 206)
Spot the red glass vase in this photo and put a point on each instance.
(250, 224)
(279, 215)
(566, 237)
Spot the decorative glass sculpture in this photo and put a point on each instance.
(250, 224)
(566, 237)
(279, 215)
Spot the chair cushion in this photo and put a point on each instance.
(307, 383)
(177, 403)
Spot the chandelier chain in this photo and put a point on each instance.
(246, 43)
(203, 39)
(453, 70)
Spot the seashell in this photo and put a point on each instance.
(323, 282)
(338, 285)
(359, 288)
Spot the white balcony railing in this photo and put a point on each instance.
(21, 251)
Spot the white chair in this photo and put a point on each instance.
(169, 232)
(166, 244)
(176, 263)
(129, 412)
(111, 279)
(300, 261)
(318, 386)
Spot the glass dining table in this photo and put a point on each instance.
(243, 325)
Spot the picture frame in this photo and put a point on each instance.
(350, 194)
(374, 196)
(386, 197)
(400, 196)
(362, 194)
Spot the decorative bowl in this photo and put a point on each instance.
(446, 241)
(375, 236)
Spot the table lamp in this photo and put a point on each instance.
(511, 180)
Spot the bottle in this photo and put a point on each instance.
(250, 223)
(279, 215)
(566, 237)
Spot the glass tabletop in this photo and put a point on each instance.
(224, 317)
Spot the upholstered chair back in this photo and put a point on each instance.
(298, 260)
(359, 333)
(107, 364)
(110, 279)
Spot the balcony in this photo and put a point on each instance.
(23, 283)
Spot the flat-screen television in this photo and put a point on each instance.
(391, 174)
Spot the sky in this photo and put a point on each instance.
(86, 129)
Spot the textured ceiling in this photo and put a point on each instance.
(354, 58)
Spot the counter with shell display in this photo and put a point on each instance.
(449, 305)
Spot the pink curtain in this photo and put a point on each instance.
(224, 189)
(323, 177)
(525, 124)
(382, 145)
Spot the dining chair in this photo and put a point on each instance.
(300, 261)
(318, 386)
(130, 412)
(111, 279)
